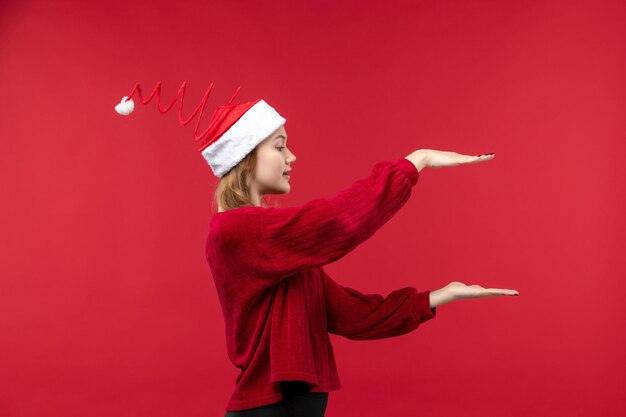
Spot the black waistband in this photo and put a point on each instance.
(298, 387)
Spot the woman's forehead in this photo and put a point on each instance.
(281, 134)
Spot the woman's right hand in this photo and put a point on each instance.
(436, 159)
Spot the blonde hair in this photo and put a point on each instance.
(232, 191)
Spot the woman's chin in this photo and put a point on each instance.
(282, 189)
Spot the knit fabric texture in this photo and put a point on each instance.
(278, 302)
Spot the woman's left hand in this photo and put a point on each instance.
(456, 290)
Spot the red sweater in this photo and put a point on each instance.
(278, 302)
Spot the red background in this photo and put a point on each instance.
(107, 305)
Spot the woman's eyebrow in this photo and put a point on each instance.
(280, 136)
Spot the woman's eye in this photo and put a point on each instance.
(281, 147)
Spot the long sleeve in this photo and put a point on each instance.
(265, 264)
(359, 316)
(326, 229)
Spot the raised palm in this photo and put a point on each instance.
(438, 159)
(458, 291)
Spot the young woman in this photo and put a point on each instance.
(279, 304)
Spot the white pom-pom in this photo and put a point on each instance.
(125, 107)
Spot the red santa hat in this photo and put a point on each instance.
(233, 132)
